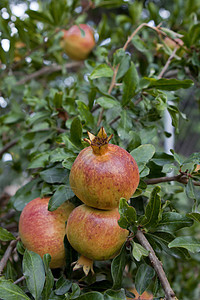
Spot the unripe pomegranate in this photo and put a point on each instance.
(103, 173)
(95, 233)
(78, 41)
(43, 231)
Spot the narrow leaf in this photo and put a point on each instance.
(10, 291)
(117, 268)
(144, 275)
(62, 194)
(138, 251)
(169, 84)
(172, 221)
(130, 83)
(76, 131)
(5, 235)
(187, 242)
(153, 209)
(102, 70)
(34, 273)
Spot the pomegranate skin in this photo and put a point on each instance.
(43, 231)
(101, 180)
(76, 44)
(95, 233)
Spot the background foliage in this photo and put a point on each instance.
(48, 103)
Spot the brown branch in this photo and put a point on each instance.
(113, 82)
(47, 70)
(7, 254)
(179, 178)
(8, 146)
(167, 63)
(157, 265)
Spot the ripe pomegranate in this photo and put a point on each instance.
(95, 233)
(78, 41)
(43, 231)
(103, 173)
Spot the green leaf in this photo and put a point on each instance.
(39, 160)
(187, 242)
(107, 102)
(138, 251)
(130, 84)
(76, 132)
(10, 291)
(143, 154)
(75, 292)
(163, 239)
(117, 268)
(115, 295)
(153, 209)
(62, 286)
(33, 270)
(49, 282)
(25, 194)
(57, 100)
(62, 194)
(102, 70)
(90, 296)
(128, 214)
(55, 175)
(172, 221)
(169, 84)
(177, 158)
(193, 158)
(5, 235)
(85, 113)
(144, 275)
(195, 216)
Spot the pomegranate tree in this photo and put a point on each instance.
(103, 173)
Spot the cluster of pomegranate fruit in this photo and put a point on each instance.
(101, 174)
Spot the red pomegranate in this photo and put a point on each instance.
(43, 231)
(95, 233)
(103, 173)
(78, 41)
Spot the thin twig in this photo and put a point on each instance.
(179, 178)
(47, 70)
(8, 146)
(167, 63)
(157, 265)
(19, 280)
(7, 254)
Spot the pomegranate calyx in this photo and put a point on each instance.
(85, 263)
(100, 142)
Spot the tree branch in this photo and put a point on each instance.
(47, 70)
(157, 265)
(179, 178)
(19, 280)
(7, 254)
(8, 146)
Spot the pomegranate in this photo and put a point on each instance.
(103, 173)
(95, 233)
(43, 231)
(78, 41)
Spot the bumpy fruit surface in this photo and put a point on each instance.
(43, 231)
(103, 173)
(95, 233)
(78, 41)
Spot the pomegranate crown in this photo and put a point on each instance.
(100, 142)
